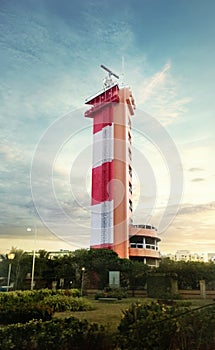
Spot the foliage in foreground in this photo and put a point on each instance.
(23, 306)
(151, 326)
(161, 327)
(24, 313)
(57, 334)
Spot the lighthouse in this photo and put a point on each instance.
(111, 111)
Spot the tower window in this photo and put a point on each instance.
(129, 136)
(130, 170)
(130, 205)
(130, 187)
(129, 153)
(129, 122)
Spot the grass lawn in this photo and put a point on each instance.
(110, 313)
(106, 313)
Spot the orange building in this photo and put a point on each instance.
(111, 218)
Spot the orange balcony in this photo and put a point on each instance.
(143, 230)
(143, 253)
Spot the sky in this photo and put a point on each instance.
(51, 52)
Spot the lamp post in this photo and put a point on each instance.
(34, 255)
(10, 257)
(82, 280)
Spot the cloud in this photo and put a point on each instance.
(7, 153)
(154, 82)
(191, 209)
(195, 169)
(198, 179)
(192, 228)
(160, 95)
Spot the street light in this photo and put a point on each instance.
(82, 280)
(34, 254)
(10, 257)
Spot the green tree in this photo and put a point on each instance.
(65, 268)
(189, 273)
(133, 274)
(97, 264)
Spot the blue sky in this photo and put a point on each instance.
(50, 57)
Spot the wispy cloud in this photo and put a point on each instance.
(195, 169)
(190, 209)
(193, 227)
(198, 179)
(154, 83)
(160, 94)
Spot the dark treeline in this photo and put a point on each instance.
(67, 270)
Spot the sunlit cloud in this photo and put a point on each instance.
(150, 87)
(195, 169)
(159, 95)
(198, 179)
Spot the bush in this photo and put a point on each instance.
(111, 293)
(142, 327)
(34, 296)
(196, 330)
(57, 334)
(161, 327)
(66, 303)
(24, 313)
(76, 293)
(22, 306)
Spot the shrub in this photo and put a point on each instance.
(161, 327)
(142, 327)
(67, 303)
(34, 296)
(23, 297)
(57, 334)
(111, 293)
(22, 306)
(76, 293)
(24, 313)
(196, 330)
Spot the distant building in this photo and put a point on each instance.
(52, 254)
(59, 253)
(186, 255)
(2, 257)
(211, 257)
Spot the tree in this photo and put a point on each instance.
(134, 273)
(189, 273)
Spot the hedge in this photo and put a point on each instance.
(23, 306)
(57, 334)
(34, 296)
(24, 313)
(61, 303)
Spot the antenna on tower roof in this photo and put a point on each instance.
(123, 70)
(108, 80)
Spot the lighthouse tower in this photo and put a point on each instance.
(111, 197)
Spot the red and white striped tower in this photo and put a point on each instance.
(112, 169)
(111, 223)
